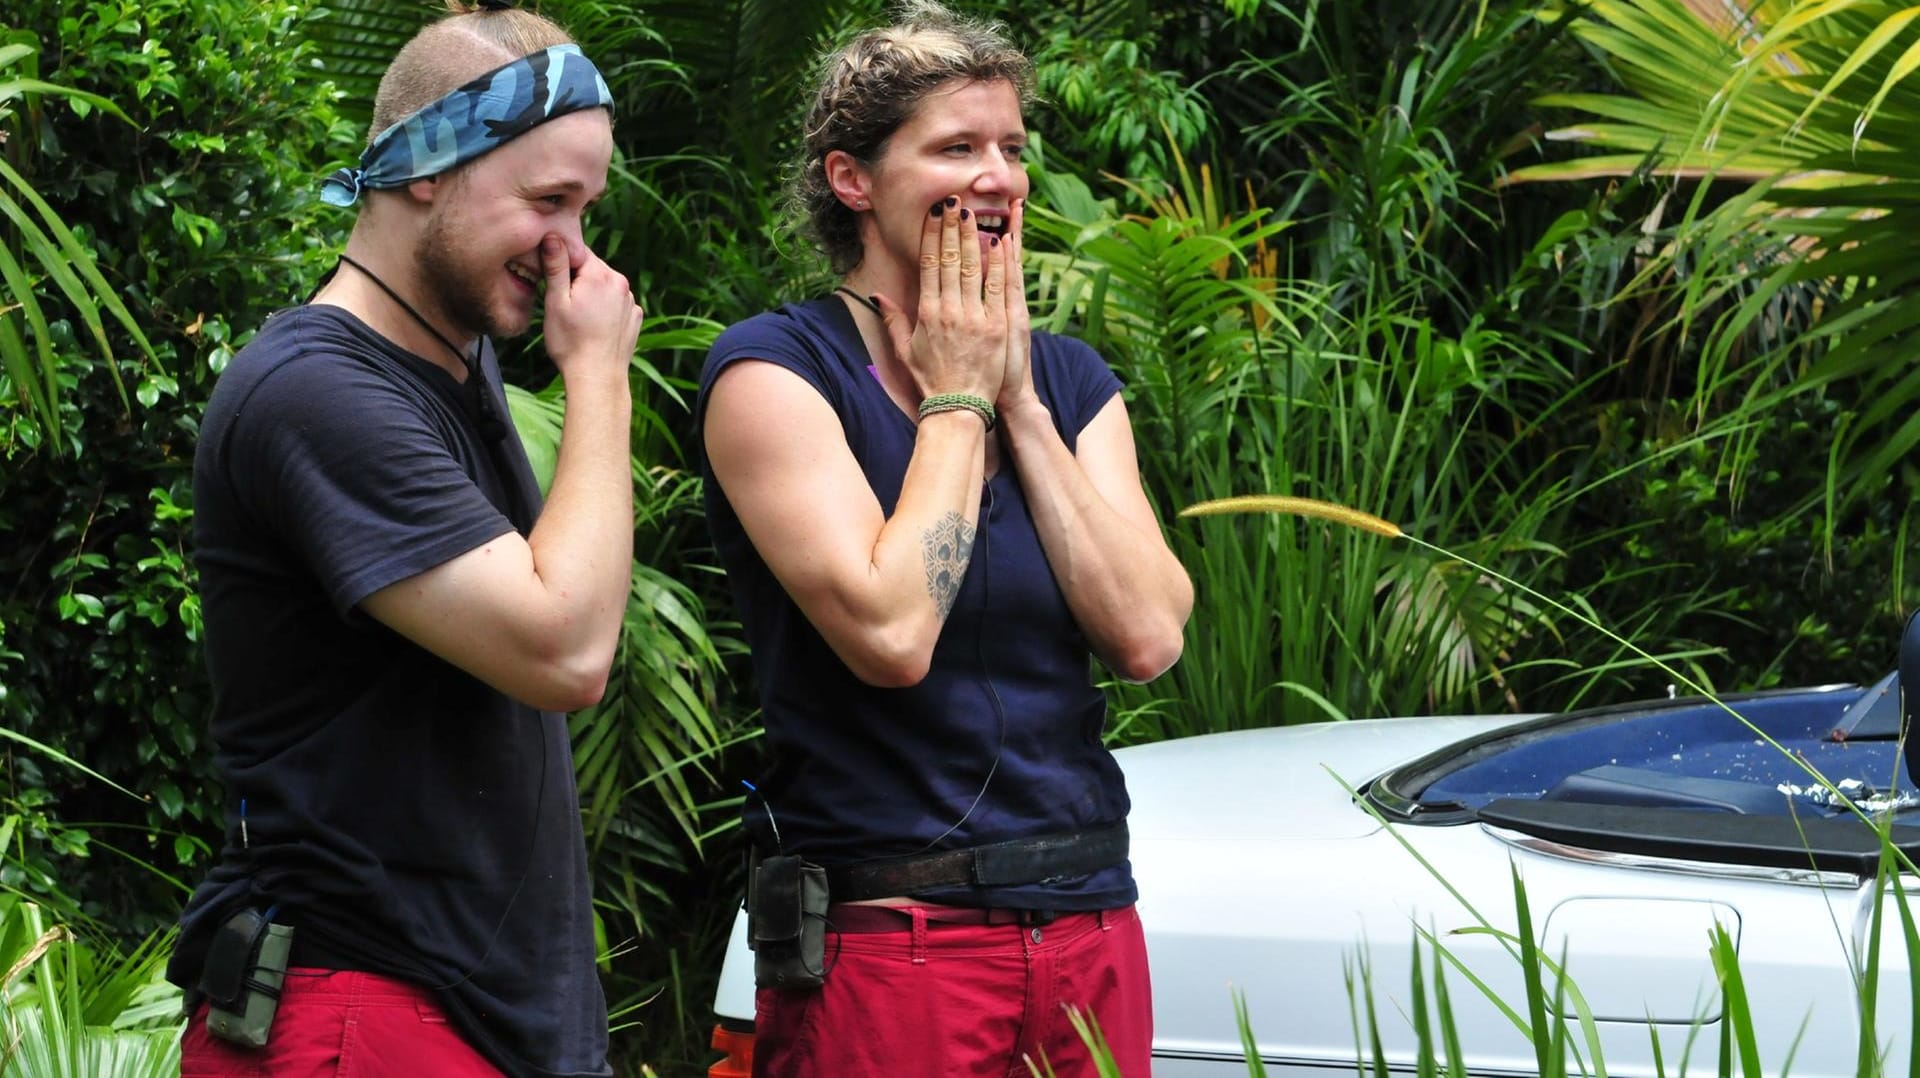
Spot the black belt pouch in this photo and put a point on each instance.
(787, 922)
(246, 966)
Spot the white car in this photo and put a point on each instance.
(1635, 829)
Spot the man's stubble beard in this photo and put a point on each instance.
(461, 291)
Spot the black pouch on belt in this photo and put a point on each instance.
(787, 922)
(245, 967)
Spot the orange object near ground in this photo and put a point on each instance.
(739, 1049)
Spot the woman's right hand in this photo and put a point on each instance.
(958, 341)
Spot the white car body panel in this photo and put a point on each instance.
(1259, 873)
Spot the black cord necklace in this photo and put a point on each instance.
(862, 301)
(490, 425)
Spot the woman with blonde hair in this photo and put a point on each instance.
(932, 520)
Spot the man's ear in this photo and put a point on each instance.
(424, 190)
(852, 181)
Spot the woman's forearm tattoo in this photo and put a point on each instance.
(946, 548)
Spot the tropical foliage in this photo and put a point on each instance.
(191, 200)
(1788, 255)
(78, 1008)
(56, 253)
(1297, 229)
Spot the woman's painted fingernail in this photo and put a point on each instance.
(952, 201)
(963, 215)
(937, 207)
(995, 242)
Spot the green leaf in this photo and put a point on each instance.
(172, 802)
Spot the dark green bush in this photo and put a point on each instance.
(201, 215)
(1751, 578)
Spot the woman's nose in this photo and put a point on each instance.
(999, 173)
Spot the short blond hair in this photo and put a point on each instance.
(446, 55)
(871, 86)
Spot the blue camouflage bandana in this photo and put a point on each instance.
(485, 114)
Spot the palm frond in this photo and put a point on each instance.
(1809, 108)
(53, 252)
(72, 1007)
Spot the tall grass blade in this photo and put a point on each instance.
(1256, 1067)
(1530, 971)
(1736, 1013)
(1424, 1065)
(1653, 1046)
(1443, 1003)
(1911, 933)
(1375, 1055)
(1867, 988)
(1911, 936)
(1087, 1028)
(1513, 1016)
(1349, 974)
(1561, 1044)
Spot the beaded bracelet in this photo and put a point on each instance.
(958, 402)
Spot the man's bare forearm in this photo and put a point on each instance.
(583, 543)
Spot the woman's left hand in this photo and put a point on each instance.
(1016, 384)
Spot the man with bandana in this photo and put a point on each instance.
(395, 620)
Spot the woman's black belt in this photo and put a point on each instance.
(996, 864)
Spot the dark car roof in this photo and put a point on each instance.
(1679, 779)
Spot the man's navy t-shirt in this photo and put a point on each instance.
(408, 819)
(1002, 738)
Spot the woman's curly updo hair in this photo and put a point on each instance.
(870, 87)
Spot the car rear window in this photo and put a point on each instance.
(1682, 754)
